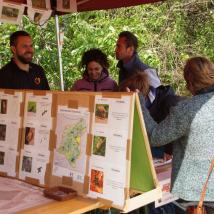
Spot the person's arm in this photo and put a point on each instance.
(153, 78)
(175, 125)
(5, 78)
(46, 85)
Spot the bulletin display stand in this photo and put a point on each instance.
(95, 143)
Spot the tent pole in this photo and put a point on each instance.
(59, 52)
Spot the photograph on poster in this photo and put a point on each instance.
(42, 4)
(99, 145)
(11, 13)
(39, 3)
(67, 5)
(38, 109)
(29, 135)
(101, 113)
(27, 164)
(3, 106)
(31, 108)
(96, 182)
(2, 132)
(38, 16)
(2, 154)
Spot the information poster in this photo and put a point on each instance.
(10, 124)
(70, 153)
(37, 126)
(107, 169)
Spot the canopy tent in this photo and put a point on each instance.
(89, 5)
(86, 5)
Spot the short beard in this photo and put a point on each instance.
(23, 59)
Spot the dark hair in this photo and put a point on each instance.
(94, 55)
(131, 39)
(14, 36)
(138, 80)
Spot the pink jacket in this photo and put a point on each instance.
(105, 83)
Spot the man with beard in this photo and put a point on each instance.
(129, 63)
(20, 72)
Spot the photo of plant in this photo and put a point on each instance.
(101, 113)
(99, 145)
(31, 107)
(96, 182)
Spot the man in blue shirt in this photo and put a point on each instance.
(129, 61)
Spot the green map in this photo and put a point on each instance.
(71, 139)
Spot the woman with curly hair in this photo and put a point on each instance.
(96, 75)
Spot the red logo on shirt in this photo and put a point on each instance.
(37, 80)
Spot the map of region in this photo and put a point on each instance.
(70, 153)
(71, 139)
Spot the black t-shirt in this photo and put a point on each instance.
(12, 77)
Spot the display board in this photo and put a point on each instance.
(11, 115)
(95, 143)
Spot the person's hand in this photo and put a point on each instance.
(128, 90)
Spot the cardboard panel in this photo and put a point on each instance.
(141, 171)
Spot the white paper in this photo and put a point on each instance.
(70, 153)
(10, 105)
(36, 136)
(163, 170)
(109, 148)
(38, 109)
(38, 16)
(112, 114)
(8, 161)
(33, 164)
(10, 123)
(107, 181)
(11, 13)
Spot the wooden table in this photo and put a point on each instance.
(77, 205)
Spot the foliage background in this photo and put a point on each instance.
(168, 32)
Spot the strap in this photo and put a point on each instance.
(200, 204)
